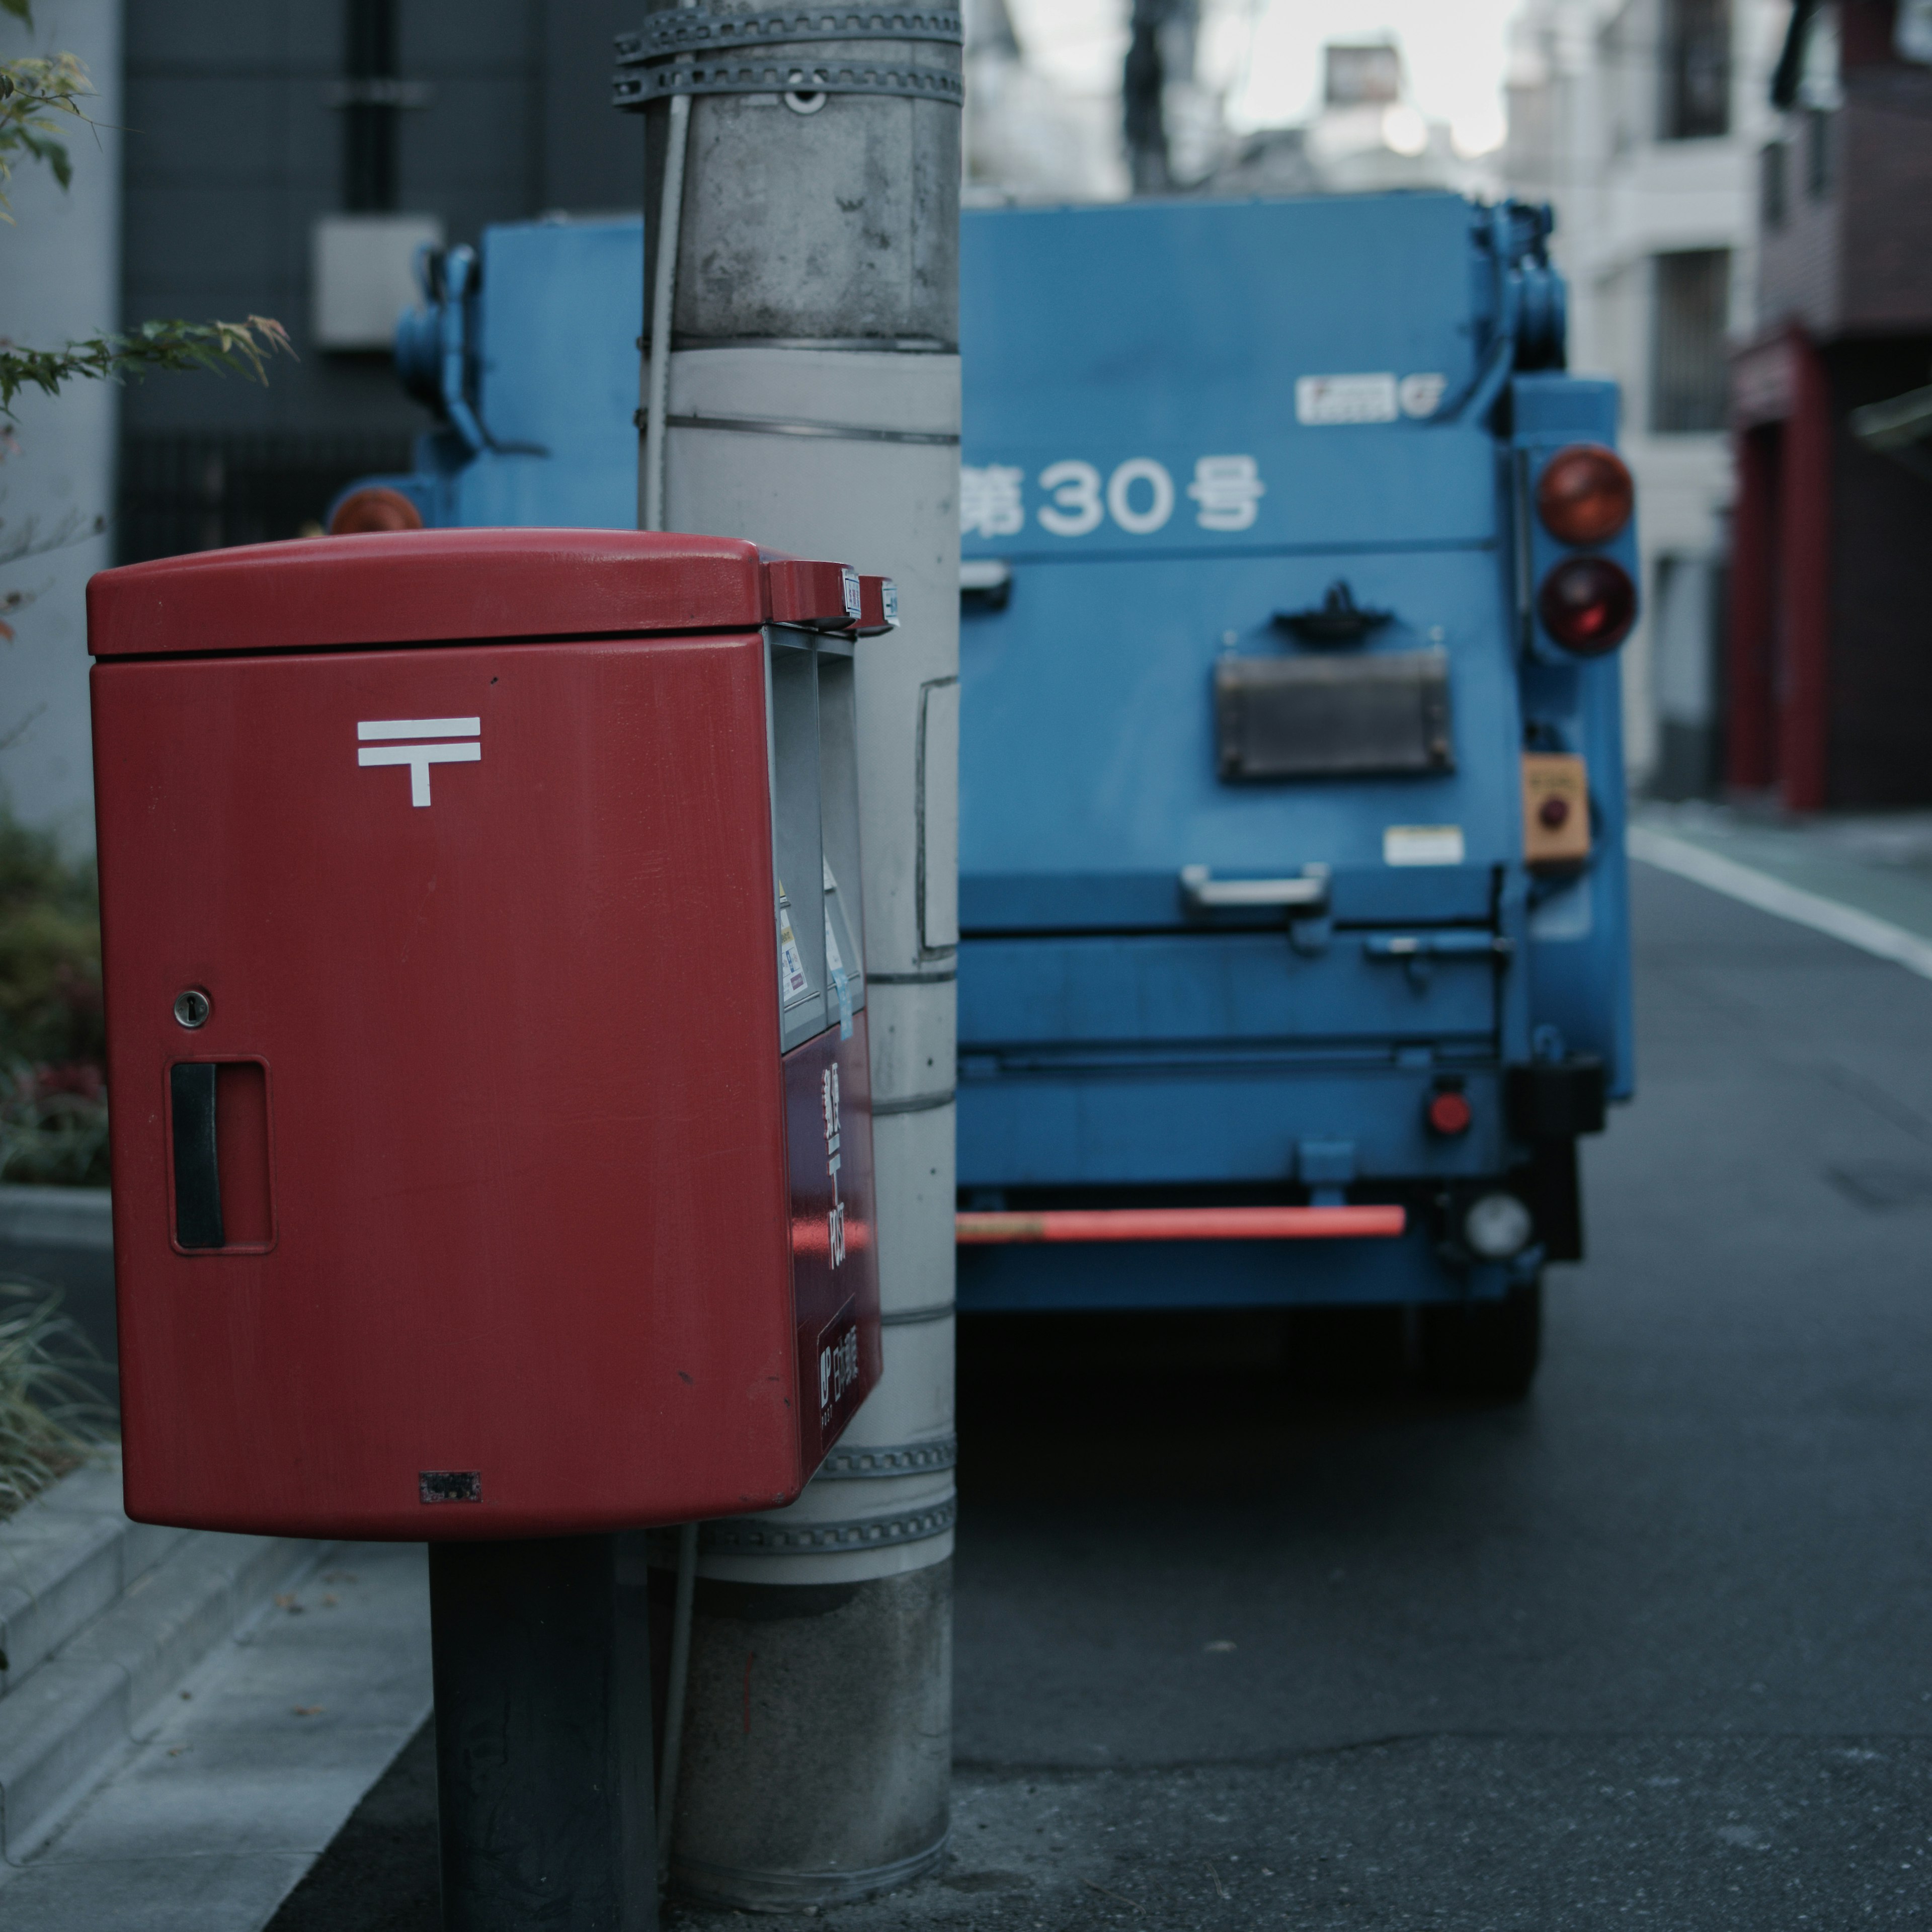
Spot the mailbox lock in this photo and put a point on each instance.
(191, 1008)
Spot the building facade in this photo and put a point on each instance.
(1829, 679)
(1641, 122)
(287, 160)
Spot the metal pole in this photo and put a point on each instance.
(808, 381)
(543, 1716)
(678, 1681)
(670, 204)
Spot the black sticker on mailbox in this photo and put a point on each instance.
(451, 1485)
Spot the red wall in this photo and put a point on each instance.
(1804, 584)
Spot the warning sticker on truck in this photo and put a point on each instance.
(1422, 845)
(1346, 399)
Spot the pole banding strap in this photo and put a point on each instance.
(673, 31)
(933, 1311)
(634, 91)
(892, 1459)
(765, 1536)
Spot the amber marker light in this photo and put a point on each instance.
(374, 508)
(1587, 604)
(1585, 495)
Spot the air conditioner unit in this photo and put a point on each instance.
(361, 276)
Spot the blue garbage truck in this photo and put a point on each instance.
(1293, 954)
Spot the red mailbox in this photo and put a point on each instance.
(491, 1141)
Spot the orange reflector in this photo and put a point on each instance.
(1183, 1224)
(375, 507)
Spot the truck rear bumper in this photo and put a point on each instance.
(1010, 1277)
(1181, 1224)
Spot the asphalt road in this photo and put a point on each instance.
(1251, 1634)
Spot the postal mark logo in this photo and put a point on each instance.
(454, 741)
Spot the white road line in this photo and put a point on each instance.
(1760, 889)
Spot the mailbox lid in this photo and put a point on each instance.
(404, 587)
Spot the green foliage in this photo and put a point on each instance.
(51, 1419)
(53, 1101)
(53, 1127)
(34, 92)
(237, 348)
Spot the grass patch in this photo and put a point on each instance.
(52, 1418)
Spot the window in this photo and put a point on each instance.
(1360, 76)
(1694, 70)
(1773, 194)
(1688, 373)
(1817, 153)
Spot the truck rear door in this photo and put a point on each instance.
(1240, 733)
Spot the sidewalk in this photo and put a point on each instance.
(1864, 878)
(241, 1776)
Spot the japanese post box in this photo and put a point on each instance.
(487, 1034)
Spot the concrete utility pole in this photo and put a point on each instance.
(1143, 110)
(802, 385)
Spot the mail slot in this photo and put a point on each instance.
(491, 1134)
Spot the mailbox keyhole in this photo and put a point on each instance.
(219, 1123)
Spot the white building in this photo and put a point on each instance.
(1642, 121)
(1027, 137)
(60, 274)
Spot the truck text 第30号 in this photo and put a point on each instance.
(1292, 929)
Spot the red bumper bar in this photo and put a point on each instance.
(1183, 1224)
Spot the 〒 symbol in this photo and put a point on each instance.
(420, 757)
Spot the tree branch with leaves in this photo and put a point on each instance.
(236, 348)
(35, 92)
(39, 94)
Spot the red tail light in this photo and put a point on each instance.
(374, 508)
(1585, 495)
(1587, 604)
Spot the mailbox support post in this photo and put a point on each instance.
(808, 389)
(543, 1722)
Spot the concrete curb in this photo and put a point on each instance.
(63, 1237)
(1752, 887)
(64, 1559)
(100, 1617)
(56, 1217)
